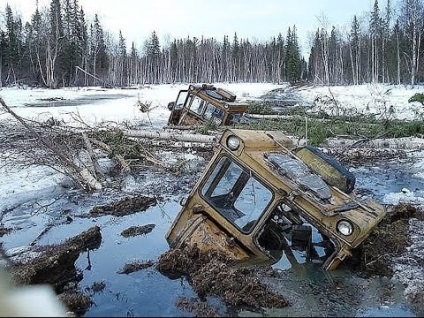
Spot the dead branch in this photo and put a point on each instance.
(95, 165)
(125, 168)
(82, 176)
(191, 127)
(85, 72)
(334, 101)
(170, 136)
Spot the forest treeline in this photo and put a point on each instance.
(59, 48)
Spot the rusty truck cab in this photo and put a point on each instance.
(202, 103)
(259, 197)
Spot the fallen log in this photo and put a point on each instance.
(95, 167)
(171, 136)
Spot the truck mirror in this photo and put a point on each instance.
(183, 201)
(171, 105)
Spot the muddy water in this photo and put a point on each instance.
(311, 291)
(389, 177)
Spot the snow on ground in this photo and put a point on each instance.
(19, 184)
(122, 107)
(23, 184)
(383, 101)
(94, 111)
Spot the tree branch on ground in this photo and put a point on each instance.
(81, 175)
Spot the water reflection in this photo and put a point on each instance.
(312, 291)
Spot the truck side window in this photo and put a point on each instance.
(214, 113)
(197, 105)
(236, 194)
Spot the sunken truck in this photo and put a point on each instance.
(204, 103)
(261, 198)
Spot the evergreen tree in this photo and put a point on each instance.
(152, 48)
(235, 54)
(122, 66)
(174, 62)
(12, 47)
(293, 65)
(98, 57)
(3, 53)
(354, 50)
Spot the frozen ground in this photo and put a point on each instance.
(29, 196)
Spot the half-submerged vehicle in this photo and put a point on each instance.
(202, 103)
(260, 197)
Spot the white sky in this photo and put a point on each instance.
(253, 19)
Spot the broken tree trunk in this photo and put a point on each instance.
(95, 168)
(170, 136)
(80, 174)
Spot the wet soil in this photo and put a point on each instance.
(200, 308)
(389, 240)
(3, 231)
(213, 274)
(128, 205)
(135, 266)
(55, 265)
(137, 230)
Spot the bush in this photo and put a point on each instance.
(259, 108)
(418, 97)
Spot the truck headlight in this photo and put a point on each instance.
(345, 227)
(233, 142)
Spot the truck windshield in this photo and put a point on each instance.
(298, 172)
(236, 194)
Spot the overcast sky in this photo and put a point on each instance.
(253, 19)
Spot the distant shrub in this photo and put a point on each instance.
(259, 108)
(207, 126)
(418, 97)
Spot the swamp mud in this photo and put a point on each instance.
(239, 287)
(389, 240)
(135, 266)
(3, 231)
(244, 287)
(213, 274)
(125, 206)
(200, 308)
(55, 265)
(138, 230)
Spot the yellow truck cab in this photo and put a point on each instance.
(202, 103)
(260, 196)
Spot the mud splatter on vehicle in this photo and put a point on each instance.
(260, 197)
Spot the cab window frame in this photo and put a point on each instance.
(241, 218)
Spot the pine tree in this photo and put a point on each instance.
(375, 33)
(13, 46)
(98, 58)
(122, 61)
(293, 66)
(235, 54)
